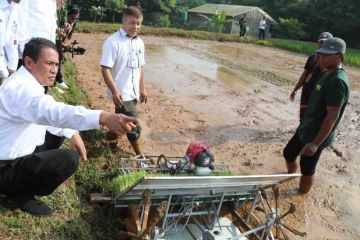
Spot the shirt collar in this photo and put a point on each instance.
(29, 77)
(123, 34)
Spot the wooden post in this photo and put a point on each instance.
(147, 204)
(158, 215)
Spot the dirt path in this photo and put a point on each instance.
(235, 97)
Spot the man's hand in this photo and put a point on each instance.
(309, 149)
(77, 143)
(292, 96)
(117, 99)
(60, 4)
(143, 97)
(118, 123)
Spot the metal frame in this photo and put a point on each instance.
(187, 196)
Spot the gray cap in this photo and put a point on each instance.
(332, 46)
(325, 35)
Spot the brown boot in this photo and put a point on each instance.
(136, 146)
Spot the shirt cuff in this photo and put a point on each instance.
(68, 133)
(93, 118)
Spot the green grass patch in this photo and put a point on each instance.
(352, 55)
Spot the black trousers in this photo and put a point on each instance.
(59, 77)
(39, 173)
(261, 33)
(242, 31)
(307, 163)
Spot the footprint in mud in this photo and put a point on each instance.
(202, 97)
(252, 164)
(245, 112)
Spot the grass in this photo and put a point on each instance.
(352, 57)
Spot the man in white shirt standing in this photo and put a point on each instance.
(38, 19)
(262, 27)
(30, 162)
(122, 62)
(8, 37)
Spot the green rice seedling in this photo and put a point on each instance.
(122, 182)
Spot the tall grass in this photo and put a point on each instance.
(352, 55)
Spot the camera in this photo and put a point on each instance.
(75, 49)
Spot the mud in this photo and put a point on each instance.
(236, 97)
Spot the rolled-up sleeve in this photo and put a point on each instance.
(109, 54)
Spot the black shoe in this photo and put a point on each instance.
(27, 204)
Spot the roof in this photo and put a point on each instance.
(230, 10)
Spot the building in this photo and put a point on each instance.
(197, 18)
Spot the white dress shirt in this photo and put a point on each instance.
(125, 56)
(262, 24)
(41, 18)
(26, 113)
(22, 33)
(8, 37)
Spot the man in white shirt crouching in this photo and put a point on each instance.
(32, 122)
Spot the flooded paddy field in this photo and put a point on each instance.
(236, 97)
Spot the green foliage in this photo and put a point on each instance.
(114, 7)
(165, 21)
(216, 22)
(165, 6)
(289, 28)
(338, 17)
(183, 5)
(73, 95)
(97, 13)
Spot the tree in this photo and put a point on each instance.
(216, 21)
(289, 28)
(165, 21)
(165, 6)
(114, 7)
(97, 12)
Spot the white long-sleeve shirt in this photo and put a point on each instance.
(26, 113)
(8, 36)
(41, 19)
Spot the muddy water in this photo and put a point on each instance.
(178, 73)
(217, 92)
(243, 111)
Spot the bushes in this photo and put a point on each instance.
(165, 21)
(289, 28)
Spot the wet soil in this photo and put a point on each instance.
(236, 97)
